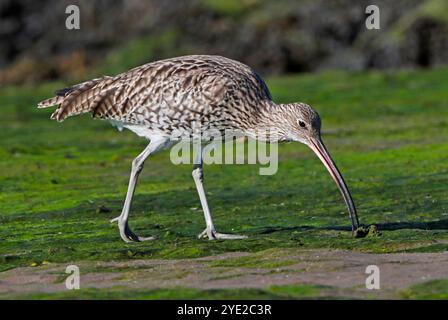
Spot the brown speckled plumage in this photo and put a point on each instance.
(186, 93)
(171, 94)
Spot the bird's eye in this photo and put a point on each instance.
(302, 124)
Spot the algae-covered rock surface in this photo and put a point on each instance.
(61, 183)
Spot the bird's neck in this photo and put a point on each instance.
(268, 123)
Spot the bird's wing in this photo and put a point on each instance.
(148, 86)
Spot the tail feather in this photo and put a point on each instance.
(106, 98)
(63, 92)
(73, 103)
(50, 102)
(74, 100)
(58, 99)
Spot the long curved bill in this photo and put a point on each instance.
(319, 149)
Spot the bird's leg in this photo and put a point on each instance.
(137, 165)
(210, 232)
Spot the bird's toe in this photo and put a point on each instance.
(226, 236)
(213, 235)
(129, 236)
(203, 235)
(114, 219)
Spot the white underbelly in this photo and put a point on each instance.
(140, 130)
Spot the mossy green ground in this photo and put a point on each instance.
(386, 131)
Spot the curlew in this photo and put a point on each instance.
(157, 98)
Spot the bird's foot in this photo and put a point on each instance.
(127, 234)
(213, 235)
(115, 219)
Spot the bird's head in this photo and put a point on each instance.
(302, 123)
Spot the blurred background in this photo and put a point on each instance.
(274, 37)
(385, 121)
